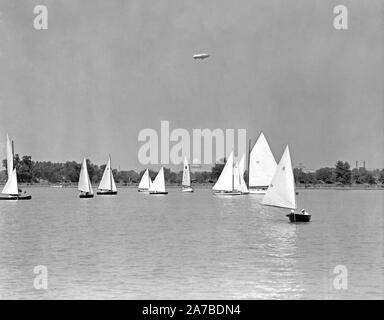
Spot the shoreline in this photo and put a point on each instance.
(209, 186)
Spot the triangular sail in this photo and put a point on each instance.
(107, 182)
(9, 157)
(113, 182)
(236, 177)
(84, 181)
(186, 174)
(243, 185)
(281, 191)
(145, 181)
(11, 185)
(262, 163)
(225, 181)
(158, 184)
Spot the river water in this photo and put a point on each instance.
(191, 246)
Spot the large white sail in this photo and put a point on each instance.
(243, 185)
(186, 174)
(84, 181)
(145, 181)
(107, 182)
(158, 184)
(281, 191)
(262, 163)
(225, 181)
(9, 157)
(11, 185)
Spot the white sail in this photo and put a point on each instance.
(84, 181)
(107, 182)
(113, 182)
(262, 163)
(9, 157)
(225, 181)
(236, 177)
(186, 174)
(243, 185)
(281, 191)
(158, 184)
(145, 181)
(11, 185)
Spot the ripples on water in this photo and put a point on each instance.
(182, 245)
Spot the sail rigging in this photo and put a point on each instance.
(262, 164)
(158, 185)
(225, 181)
(84, 181)
(145, 181)
(107, 182)
(186, 174)
(281, 192)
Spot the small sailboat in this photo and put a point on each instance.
(261, 167)
(281, 192)
(228, 183)
(186, 183)
(107, 184)
(145, 182)
(158, 185)
(11, 190)
(85, 186)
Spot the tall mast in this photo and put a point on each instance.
(110, 170)
(13, 153)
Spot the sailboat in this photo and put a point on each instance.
(281, 192)
(228, 184)
(243, 185)
(11, 190)
(158, 185)
(261, 167)
(85, 186)
(107, 184)
(145, 182)
(186, 183)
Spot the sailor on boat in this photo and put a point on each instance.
(304, 212)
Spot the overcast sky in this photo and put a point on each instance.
(104, 70)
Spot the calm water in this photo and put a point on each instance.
(190, 246)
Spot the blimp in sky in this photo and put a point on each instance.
(200, 56)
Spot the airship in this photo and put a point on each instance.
(200, 56)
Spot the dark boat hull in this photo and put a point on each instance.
(293, 217)
(106, 193)
(154, 192)
(28, 197)
(86, 196)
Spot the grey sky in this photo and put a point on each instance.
(104, 70)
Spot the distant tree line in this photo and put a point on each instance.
(340, 174)
(29, 171)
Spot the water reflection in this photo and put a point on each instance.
(186, 246)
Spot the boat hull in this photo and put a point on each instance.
(257, 191)
(187, 189)
(157, 192)
(234, 193)
(27, 197)
(107, 193)
(294, 217)
(86, 196)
